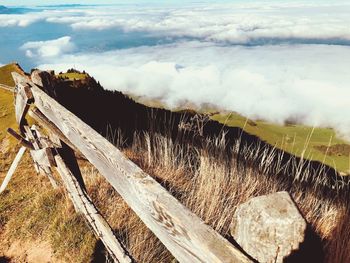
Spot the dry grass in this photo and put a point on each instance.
(32, 212)
(205, 180)
(212, 187)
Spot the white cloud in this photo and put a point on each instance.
(235, 23)
(28, 18)
(17, 20)
(230, 23)
(50, 48)
(308, 83)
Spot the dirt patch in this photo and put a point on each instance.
(38, 252)
(4, 145)
(335, 150)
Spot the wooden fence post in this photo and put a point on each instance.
(83, 203)
(185, 235)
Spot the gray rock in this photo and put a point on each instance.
(269, 227)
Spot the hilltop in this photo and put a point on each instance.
(5, 73)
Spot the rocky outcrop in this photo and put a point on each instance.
(269, 227)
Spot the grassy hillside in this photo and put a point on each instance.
(72, 76)
(320, 144)
(7, 114)
(5, 73)
(31, 213)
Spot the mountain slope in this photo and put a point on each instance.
(311, 143)
(30, 209)
(319, 144)
(7, 114)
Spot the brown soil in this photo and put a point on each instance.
(36, 252)
(337, 149)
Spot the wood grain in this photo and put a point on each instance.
(42, 156)
(23, 96)
(47, 124)
(85, 206)
(20, 139)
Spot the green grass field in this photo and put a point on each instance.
(5, 74)
(73, 76)
(7, 113)
(29, 208)
(304, 141)
(313, 143)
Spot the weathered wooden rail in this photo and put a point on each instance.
(184, 234)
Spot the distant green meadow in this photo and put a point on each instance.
(312, 143)
(320, 144)
(72, 75)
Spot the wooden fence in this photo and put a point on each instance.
(184, 234)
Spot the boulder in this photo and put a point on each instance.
(269, 227)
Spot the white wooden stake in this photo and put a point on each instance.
(12, 168)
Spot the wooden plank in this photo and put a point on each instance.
(12, 168)
(44, 141)
(21, 105)
(22, 141)
(42, 156)
(23, 96)
(35, 144)
(186, 236)
(31, 137)
(44, 80)
(43, 164)
(42, 146)
(36, 114)
(83, 203)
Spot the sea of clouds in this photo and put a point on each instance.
(277, 61)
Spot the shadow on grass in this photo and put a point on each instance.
(100, 253)
(309, 251)
(4, 259)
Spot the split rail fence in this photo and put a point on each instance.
(184, 234)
